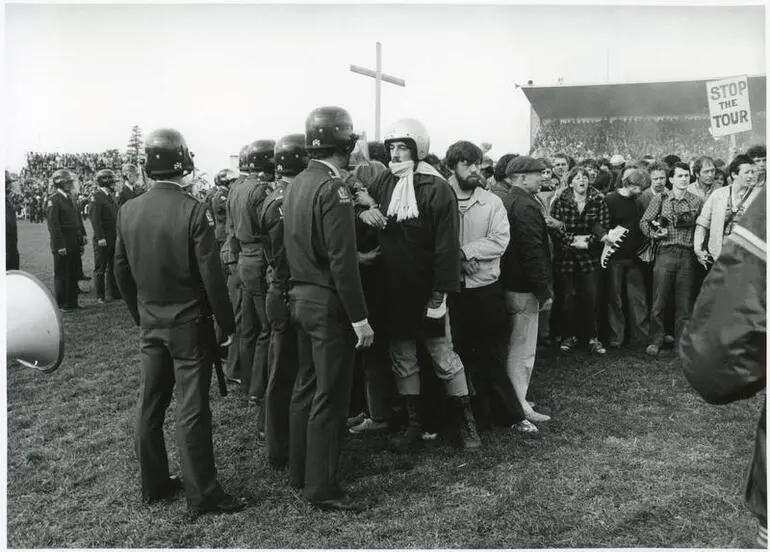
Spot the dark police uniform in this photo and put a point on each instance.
(282, 369)
(217, 200)
(230, 258)
(104, 212)
(245, 203)
(11, 235)
(326, 295)
(125, 194)
(65, 227)
(167, 268)
(82, 239)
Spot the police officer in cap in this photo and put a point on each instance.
(167, 268)
(103, 215)
(327, 306)
(245, 205)
(290, 159)
(129, 190)
(64, 226)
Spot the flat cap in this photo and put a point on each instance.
(524, 164)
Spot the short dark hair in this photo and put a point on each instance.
(757, 150)
(562, 156)
(723, 173)
(377, 152)
(735, 164)
(501, 164)
(698, 165)
(670, 159)
(658, 166)
(545, 161)
(432, 159)
(589, 163)
(678, 165)
(719, 163)
(462, 151)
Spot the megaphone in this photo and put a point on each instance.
(35, 334)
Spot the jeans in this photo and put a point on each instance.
(625, 282)
(581, 304)
(673, 273)
(446, 363)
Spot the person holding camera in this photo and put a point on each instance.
(670, 220)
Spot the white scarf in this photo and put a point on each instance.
(403, 202)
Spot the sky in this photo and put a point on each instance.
(78, 77)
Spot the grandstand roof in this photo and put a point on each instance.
(632, 99)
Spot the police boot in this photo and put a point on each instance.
(99, 286)
(409, 435)
(467, 436)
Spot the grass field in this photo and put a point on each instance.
(632, 458)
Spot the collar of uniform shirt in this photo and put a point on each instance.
(106, 191)
(334, 169)
(130, 187)
(62, 192)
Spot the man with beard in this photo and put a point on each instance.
(623, 269)
(477, 313)
(422, 257)
(245, 205)
(327, 307)
(103, 219)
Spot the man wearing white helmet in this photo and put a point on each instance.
(419, 236)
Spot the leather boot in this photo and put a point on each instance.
(410, 433)
(467, 436)
(99, 285)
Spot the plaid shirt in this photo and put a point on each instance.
(681, 214)
(594, 220)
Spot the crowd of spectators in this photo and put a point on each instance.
(689, 137)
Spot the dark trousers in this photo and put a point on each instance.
(380, 383)
(11, 256)
(319, 405)
(281, 378)
(627, 302)
(255, 328)
(673, 282)
(480, 335)
(234, 354)
(173, 362)
(79, 263)
(65, 278)
(104, 269)
(581, 304)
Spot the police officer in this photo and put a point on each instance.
(326, 304)
(11, 232)
(104, 212)
(64, 226)
(217, 200)
(229, 264)
(245, 205)
(130, 182)
(290, 160)
(167, 268)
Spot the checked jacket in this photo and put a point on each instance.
(593, 221)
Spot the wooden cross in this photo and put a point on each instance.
(378, 77)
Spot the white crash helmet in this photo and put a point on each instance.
(409, 129)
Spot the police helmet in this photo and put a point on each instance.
(167, 154)
(225, 177)
(409, 130)
(243, 158)
(259, 156)
(329, 128)
(290, 155)
(62, 177)
(106, 178)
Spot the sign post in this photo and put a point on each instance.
(729, 108)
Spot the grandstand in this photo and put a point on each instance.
(634, 119)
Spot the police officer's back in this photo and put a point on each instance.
(167, 268)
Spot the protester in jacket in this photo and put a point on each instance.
(724, 345)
